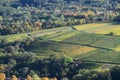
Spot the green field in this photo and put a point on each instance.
(49, 47)
(81, 42)
(85, 46)
(16, 37)
(100, 28)
(100, 55)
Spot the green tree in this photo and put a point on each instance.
(67, 60)
(115, 73)
(35, 77)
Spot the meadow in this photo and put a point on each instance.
(90, 26)
(100, 28)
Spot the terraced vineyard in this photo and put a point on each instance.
(58, 48)
(50, 31)
(100, 55)
(15, 37)
(86, 43)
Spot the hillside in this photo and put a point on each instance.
(87, 46)
(60, 39)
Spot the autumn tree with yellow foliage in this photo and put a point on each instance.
(14, 77)
(29, 77)
(2, 76)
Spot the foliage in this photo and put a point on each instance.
(27, 16)
(2, 76)
(29, 77)
(14, 77)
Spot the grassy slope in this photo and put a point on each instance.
(21, 36)
(91, 26)
(99, 28)
(85, 46)
(97, 40)
(96, 47)
(101, 55)
(60, 49)
(14, 37)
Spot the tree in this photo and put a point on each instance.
(62, 18)
(9, 49)
(2, 76)
(38, 25)
(64, 78)
(53, 78)
(47, 24)
(1, 18)
(45, 78)
(82, 21)
(11, 64)
(2, 68)
(115, 73)
(117, 18)
(67, 60)
(3, 42)
(25, 71)
(14, 77)
(35, 77)
(29, 77)
(110, 34)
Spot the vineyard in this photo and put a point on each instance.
(58, 48)
(16, 37)
(85, 46)
(82, 43)
(87, 42)
(100, 55)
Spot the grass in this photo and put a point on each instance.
(101, 55)
(114, 28)
(14, 37)
(50, 31)
(48, 48)
(99, 28)
(51, 36)
(90, 26)
(21, 36)
(86, 43)
(95, 40)
(84, 46)
(64, 36)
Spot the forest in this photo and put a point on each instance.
(19, 16)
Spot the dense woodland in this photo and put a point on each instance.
(18, 16)
(24, 16)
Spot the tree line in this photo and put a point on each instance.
(23, 16)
